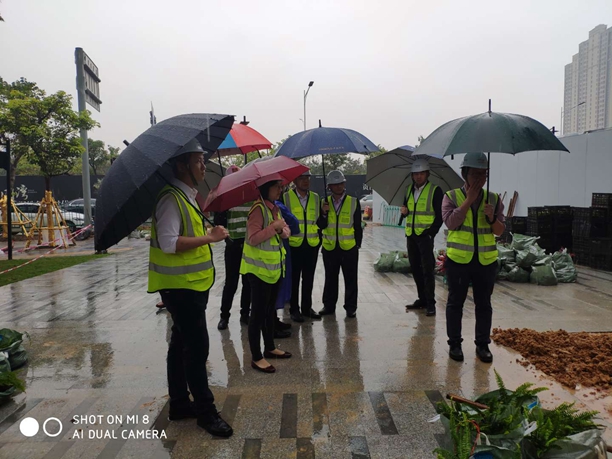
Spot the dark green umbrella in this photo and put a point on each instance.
(490, 132)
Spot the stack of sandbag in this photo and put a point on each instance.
(12, 356)
(392, 262)
(525, 261)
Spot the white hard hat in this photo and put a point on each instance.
(420, 165)
(193, 146)
(335, 177)
(475, 160)
(231, 169)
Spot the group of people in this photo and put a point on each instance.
(260, 239)
(473, 218)
(281, 225)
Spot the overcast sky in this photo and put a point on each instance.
(392, 70)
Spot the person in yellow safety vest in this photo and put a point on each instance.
(342, 235)
(473, 218)
(306, 206)
(263, 263)
(181, 269)
(423, 211)
(235, 219)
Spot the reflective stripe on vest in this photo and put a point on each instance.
(340, 227)
(237, 220)
(460, 242)
(266, 260)
(192, 269)
(307, 218)
(420, 215)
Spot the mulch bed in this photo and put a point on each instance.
(570, 358)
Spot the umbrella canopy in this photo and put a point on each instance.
(241, 186)
(129, 190)
(214, 172)
(490, 132)
(389, 174)
(242, 140)
(325, 141)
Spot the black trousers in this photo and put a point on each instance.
(303, 264)
(348, 261)
(188, 350)
(263, 315)
(422, 263)
(459, 277)
(232, 257)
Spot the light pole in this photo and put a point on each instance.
(305, 94)
(563, 116)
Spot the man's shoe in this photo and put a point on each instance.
(431, 311)
(222, 324)
(280, 334)
(418, 304)
(484, 354)
(297, 317)
(184, 412)
(312, 314)
(244, 320)
(216, 426)
(456, 353)
(326, 312)
(278, 325)
(351, 314)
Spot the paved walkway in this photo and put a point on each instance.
(360, 388)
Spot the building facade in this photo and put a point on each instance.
(587, 102)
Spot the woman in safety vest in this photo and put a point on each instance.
(263, 263)
(473, 217)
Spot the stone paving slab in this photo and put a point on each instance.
(360, 388)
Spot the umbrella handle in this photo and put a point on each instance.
(490, 222)
(324, 176)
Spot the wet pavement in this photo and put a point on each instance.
(360, 388)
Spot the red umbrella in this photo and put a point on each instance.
(240, 187)
(242, 140)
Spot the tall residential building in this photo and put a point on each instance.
(587, 102)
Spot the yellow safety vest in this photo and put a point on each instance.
(307, 218)
(192, 269)
(340, 227)
(423, 214)
(266, 260)
(460, 242)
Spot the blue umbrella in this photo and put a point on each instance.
(326, 141)
(129, 190)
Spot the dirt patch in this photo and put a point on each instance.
(573, 359)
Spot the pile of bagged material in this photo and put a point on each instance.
(392, 262)
(12, 356)
(523, 260)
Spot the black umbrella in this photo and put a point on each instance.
(128, 192)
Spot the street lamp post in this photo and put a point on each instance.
(305, 94)
(563, 115)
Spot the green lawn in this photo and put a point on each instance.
(38, 267)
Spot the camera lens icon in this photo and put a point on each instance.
(30, 427)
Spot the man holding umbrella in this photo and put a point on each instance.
(423, 211)
(181, 269)
(235, 220)
(473, 217)
(342, 235)
(306, 206)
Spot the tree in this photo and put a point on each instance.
(419, 141)
(12, 121)
(98, 155)
(42, 128)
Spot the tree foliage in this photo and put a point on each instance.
(42, 127)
